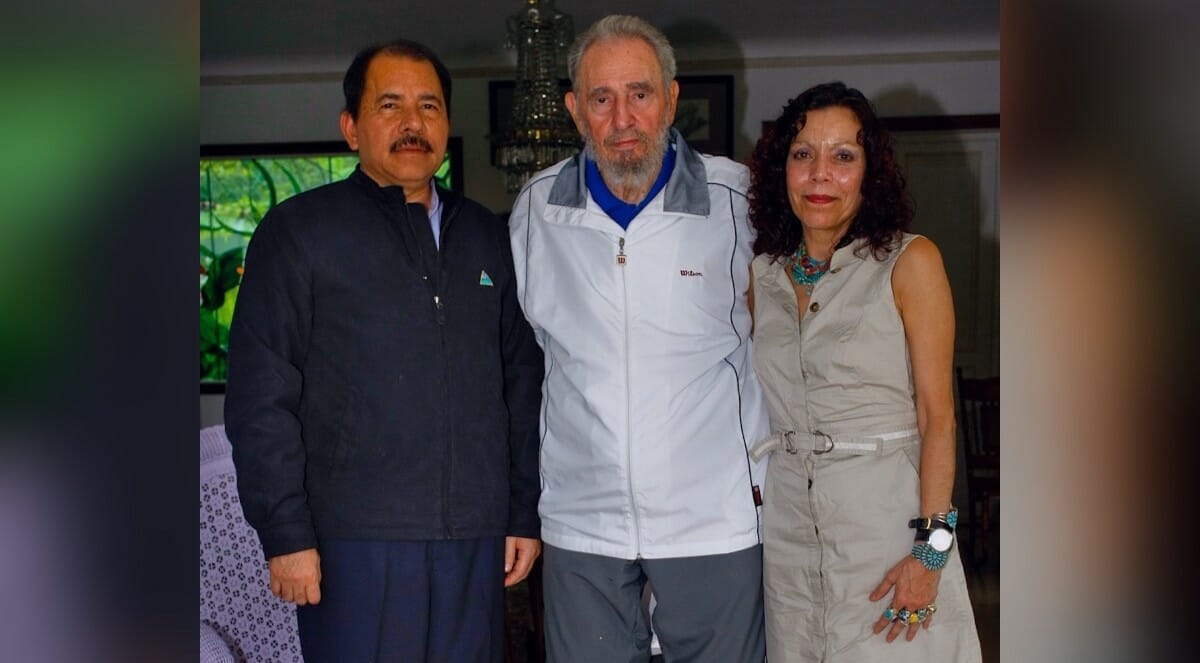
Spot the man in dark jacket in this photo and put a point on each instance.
(384, 389)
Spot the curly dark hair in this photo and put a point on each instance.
(887, 209)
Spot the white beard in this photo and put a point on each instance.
(630, 173)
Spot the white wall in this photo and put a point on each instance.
(307, 110)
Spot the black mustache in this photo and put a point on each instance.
(412, 140)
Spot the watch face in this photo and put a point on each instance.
(940, 540)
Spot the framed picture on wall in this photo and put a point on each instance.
(704, 116)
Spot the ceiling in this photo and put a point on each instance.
(300, 36)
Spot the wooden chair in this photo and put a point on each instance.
(979, 420)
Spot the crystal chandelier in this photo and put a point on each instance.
(541, 132)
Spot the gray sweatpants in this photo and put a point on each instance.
(709, 609)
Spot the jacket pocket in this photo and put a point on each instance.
(329, 419)
(913, 453)
(343, 437)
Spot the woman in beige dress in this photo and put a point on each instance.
(854, 344)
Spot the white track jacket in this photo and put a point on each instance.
(650, 401)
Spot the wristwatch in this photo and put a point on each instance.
(940, 539)
(939, 534)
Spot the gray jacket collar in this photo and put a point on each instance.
(686, 190)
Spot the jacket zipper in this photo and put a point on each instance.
(637, 533)
(440, 313)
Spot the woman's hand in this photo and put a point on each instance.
(916, 588)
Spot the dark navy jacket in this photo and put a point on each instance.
(378, 388)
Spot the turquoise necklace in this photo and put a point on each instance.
(807, 270)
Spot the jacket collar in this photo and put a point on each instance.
(686, 191)
(395, 194)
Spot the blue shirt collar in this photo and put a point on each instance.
(435, 214)
(619, 210)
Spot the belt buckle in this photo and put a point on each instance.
(789, 443)
(828, 447)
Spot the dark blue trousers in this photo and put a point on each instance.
(407, 601)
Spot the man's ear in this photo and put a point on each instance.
(349, 130)
(572, 105)
(673, 94)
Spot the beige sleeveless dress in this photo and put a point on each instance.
(842, 482)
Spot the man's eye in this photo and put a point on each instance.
(641, 95)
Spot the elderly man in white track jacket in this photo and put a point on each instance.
(650, 400)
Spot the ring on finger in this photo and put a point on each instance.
(925, 613)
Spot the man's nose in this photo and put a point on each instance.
(411, 119)
(623, 117)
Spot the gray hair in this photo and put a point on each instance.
(620, 26)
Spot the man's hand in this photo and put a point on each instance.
(519, 554)
(296, 577)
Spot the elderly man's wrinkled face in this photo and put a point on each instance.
(402, 127)
(622, 110)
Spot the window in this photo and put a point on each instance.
(239, 184)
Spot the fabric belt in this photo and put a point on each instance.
(822, 443)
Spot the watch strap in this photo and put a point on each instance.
(947, 521)
(926, 524)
